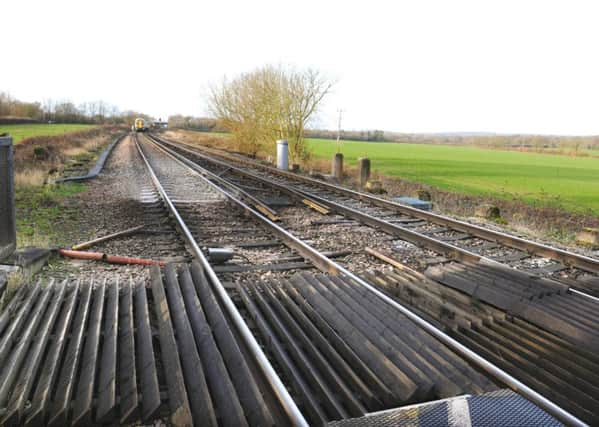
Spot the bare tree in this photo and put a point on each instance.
(102, 109)
(304, 91)
(48, 107)
(267, 104)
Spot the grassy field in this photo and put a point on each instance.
(571, 183)
(20, 132)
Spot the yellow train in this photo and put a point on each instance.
(139, 125)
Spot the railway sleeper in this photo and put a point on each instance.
(84, 352)
(350, 198)
(388, 355)
(449, 372)
(568, 315)
(560, 369)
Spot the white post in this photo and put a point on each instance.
(282, 154)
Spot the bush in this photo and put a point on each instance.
(40, 153)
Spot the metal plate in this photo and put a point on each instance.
(497, 408)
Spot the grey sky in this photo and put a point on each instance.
(425, 66)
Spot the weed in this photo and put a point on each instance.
(15, 281)
(29, 178)
(40, 153)
(39, 208)
(561, 234)
(500, 220)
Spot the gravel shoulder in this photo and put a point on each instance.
(121, 197)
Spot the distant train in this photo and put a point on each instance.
(139, 125)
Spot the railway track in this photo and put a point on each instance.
(305, 342)
(317, 387)
(452, 238)
(259, 311)
(138, 203)
(543, 301)
(103, 351)
(540, 303)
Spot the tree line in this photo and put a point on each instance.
(204, 124)
(64, 111)
(523, 142)
(352, 135)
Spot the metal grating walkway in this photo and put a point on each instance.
(497, 408)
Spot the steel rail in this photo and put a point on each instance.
(409, 235)
(285, 237)
(287, 402)
(242, 194)
(566, 257)
(296, 194)
(454, 252)
(327, 265)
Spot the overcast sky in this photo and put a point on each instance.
(413, 66)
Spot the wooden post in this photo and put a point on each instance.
(364, 163)
(337, 169)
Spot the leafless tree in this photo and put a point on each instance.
(267, 104)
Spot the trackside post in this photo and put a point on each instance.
(337, 171)
(364, 164)
(8, 230)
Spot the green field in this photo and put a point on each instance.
(571, 183)
(20, 132)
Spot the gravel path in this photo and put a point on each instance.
(120, 198)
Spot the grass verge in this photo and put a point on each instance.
(15, 281)
(39, 211)
(44, 210)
